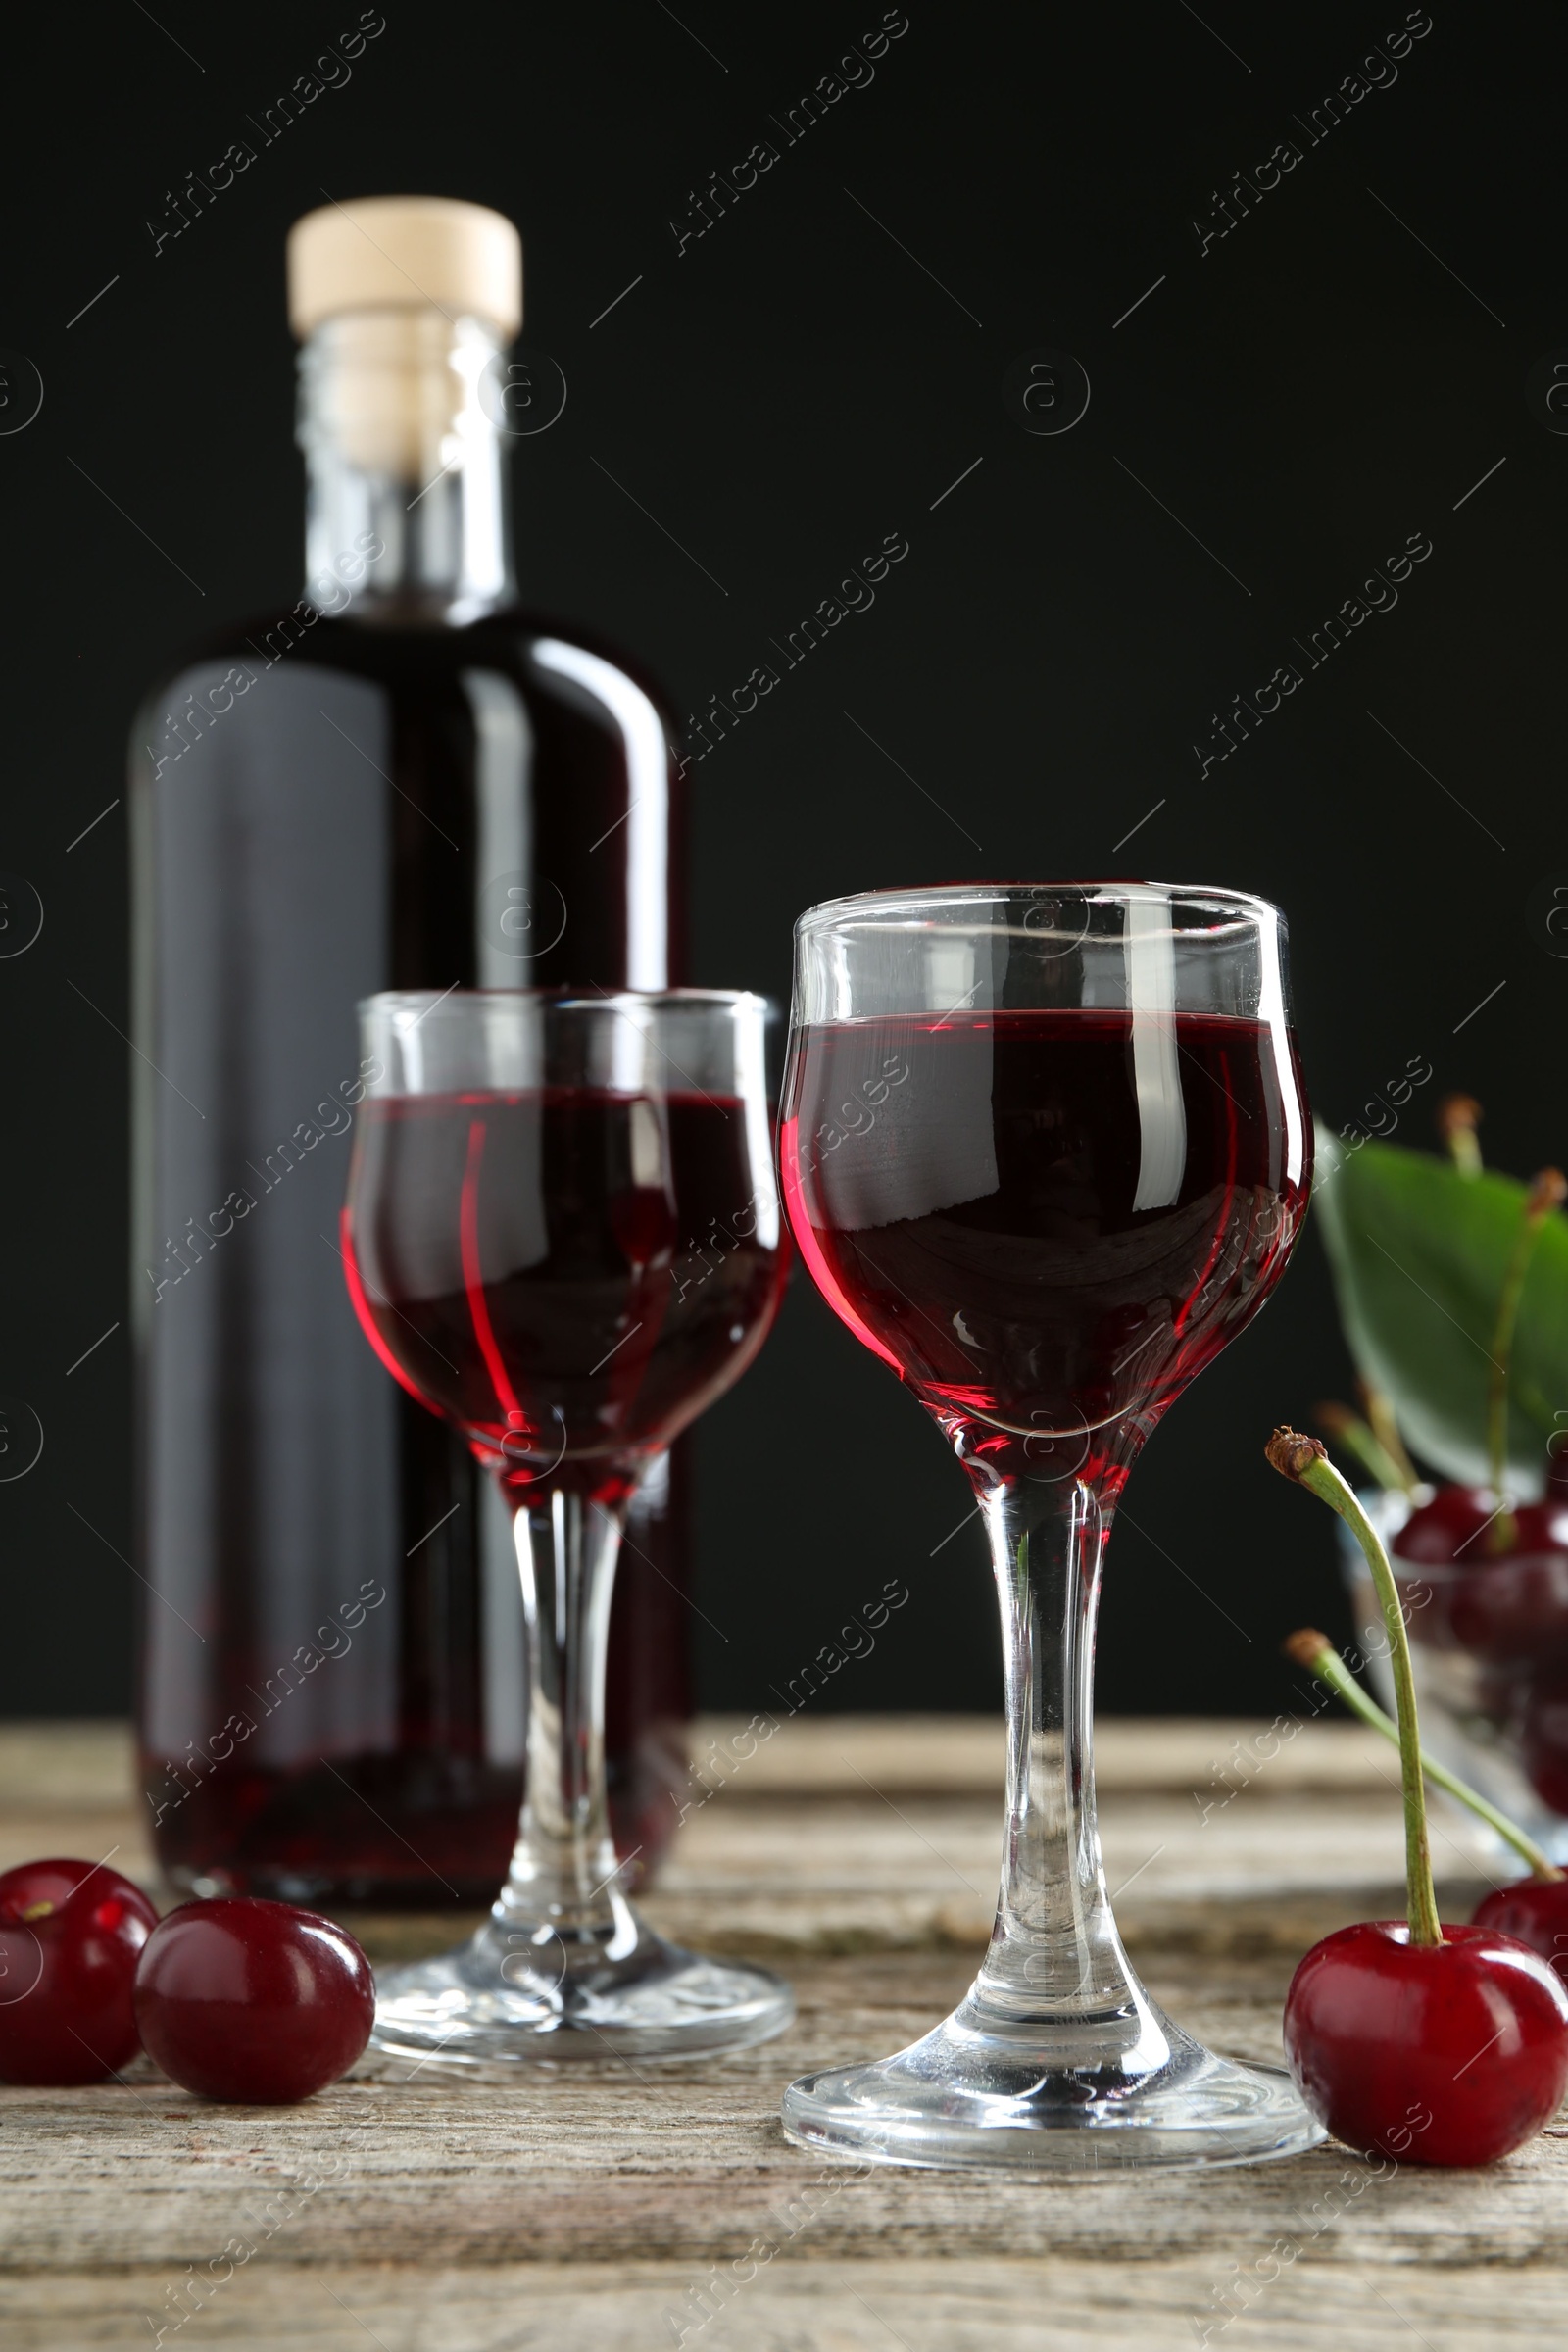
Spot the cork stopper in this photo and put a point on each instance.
(399, 253)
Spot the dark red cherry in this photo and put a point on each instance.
(1541, 1526)
(1534, 1912)
(1512, 1611)
(1505, 1608)
(1447, 1528)
(244, 1999)
(1540, 1559)
(70, 1935)
(1450, 2053)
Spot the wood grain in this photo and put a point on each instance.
(619, 2207)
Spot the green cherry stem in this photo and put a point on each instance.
(1307, 1461)
(1359, 1437)
(1547, 1192)
(1316, 1653)
(1458, 1118)
(1379, 1411)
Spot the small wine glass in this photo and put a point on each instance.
(1046, 1150)
(562, 1234)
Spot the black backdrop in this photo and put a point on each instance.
(1333, 359)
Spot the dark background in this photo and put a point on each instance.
(794, 385)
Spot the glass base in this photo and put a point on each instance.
(517, 1995)
(1002, 2097)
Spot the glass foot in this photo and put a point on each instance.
(1006, 2096)
(525, 1995)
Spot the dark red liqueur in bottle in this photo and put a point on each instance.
(406, 780)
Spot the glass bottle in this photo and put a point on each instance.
(404, 780)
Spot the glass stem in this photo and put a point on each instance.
(564, 1875)
(1055, 1950)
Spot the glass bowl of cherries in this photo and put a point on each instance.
(1452, 1284)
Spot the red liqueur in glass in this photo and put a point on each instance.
(563, 1235)
(972, 1211)
(1046, 1152)
(522, 1268)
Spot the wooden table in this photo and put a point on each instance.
(631, 2210)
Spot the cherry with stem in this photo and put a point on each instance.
(1446, 2045)
(1534, 1909)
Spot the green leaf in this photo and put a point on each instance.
(1418, 1254)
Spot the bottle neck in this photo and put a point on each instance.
(406, 507)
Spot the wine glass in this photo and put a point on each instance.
(1044, 1149)
(562, 1234)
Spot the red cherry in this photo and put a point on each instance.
(1533, 1912)
(71, 1933)
(1446, 1535)
(244, 1999)
(1505, 1610)
(1447, 1528)
(1543, 1526)
(1450, 2053)
(1511, 1611)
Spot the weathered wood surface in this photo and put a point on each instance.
(927, 2305)
(628, 2208)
